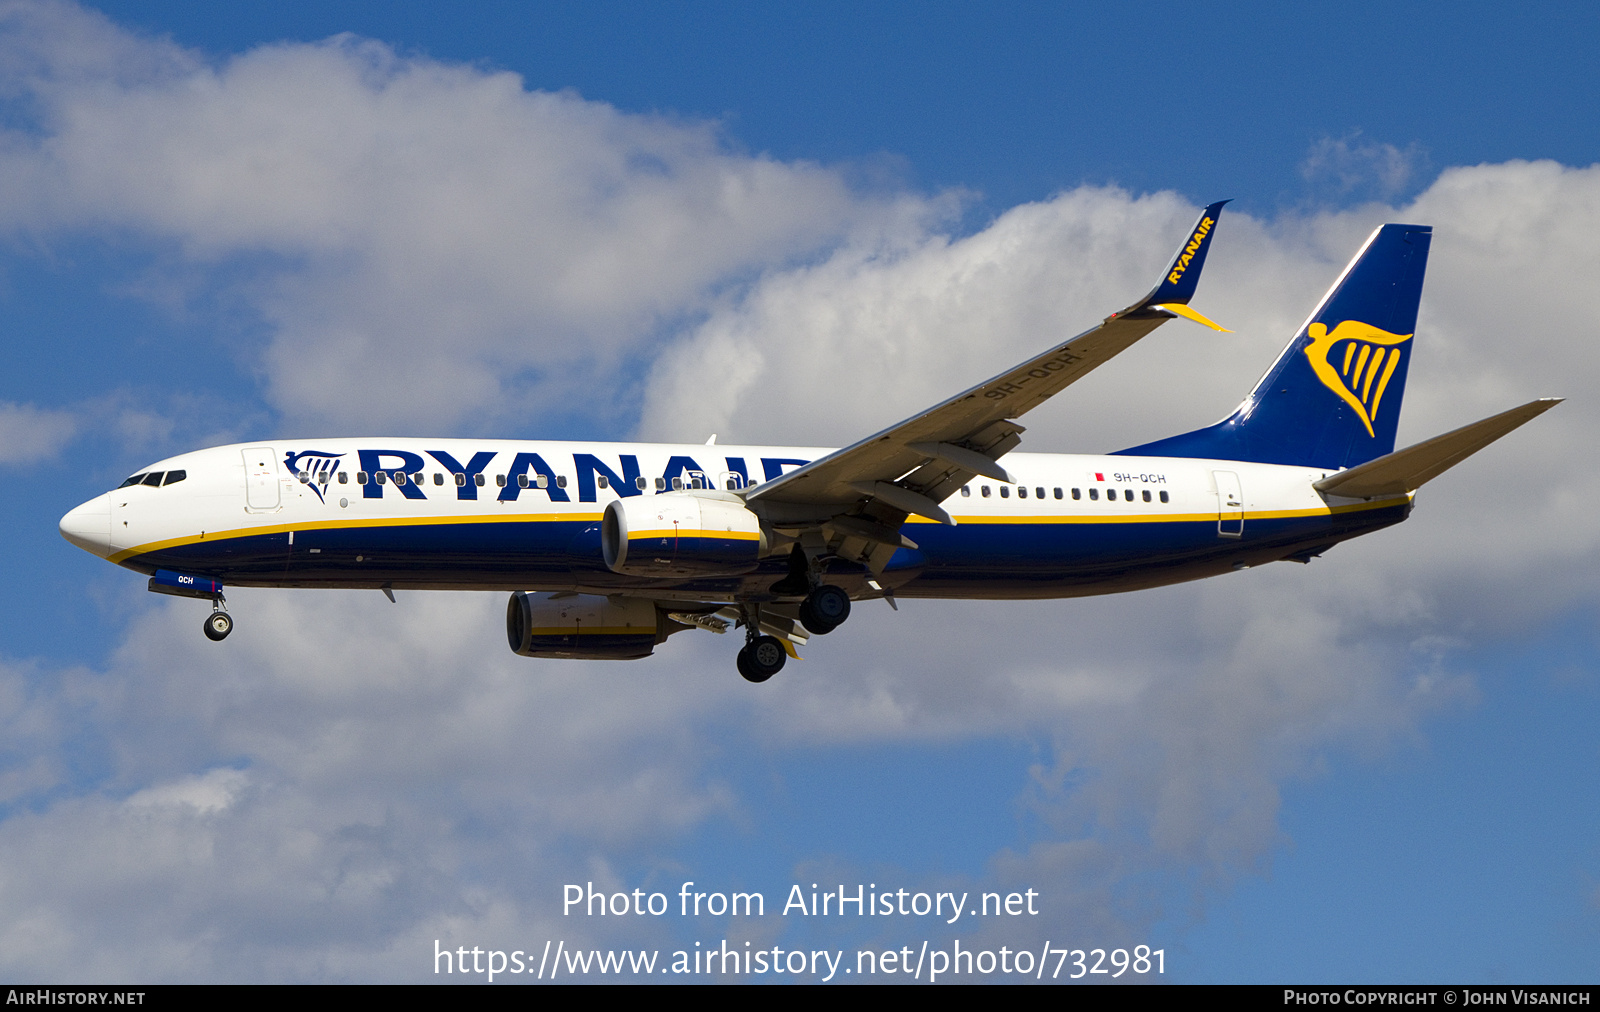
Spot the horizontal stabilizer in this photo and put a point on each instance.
(1406, 470)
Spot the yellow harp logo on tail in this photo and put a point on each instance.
(1366, 362)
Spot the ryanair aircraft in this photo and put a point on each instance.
(610, 548)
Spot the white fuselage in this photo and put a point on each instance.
(501, 514)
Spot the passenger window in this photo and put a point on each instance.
(136, 479)
(303, 476)
(522, 481)
(561, 481)
(600, 480)
(661, 484)
(153, 478)
(438, 479)
(1163, 497)
(500, 480)
(1038, 493)
(361, 477)
(418, 478)
(1094, 494)
(985, 491)
(380, 476)
(477, 480)
(677, 484)
(344, 477)
(175, 476)
(1076, 494)
(461, 479)
(966, 490)
(1005, 491)
(1146, 495)
(1022, 491)
(1058, 494)
(1127, 494)
(399, 477)
(542, 481)
(641, 483)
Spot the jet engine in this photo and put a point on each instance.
(585, 626)
(699, 533)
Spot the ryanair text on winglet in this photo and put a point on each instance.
(1192, 247)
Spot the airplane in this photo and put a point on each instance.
(610, 548)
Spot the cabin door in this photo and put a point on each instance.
(1230, 505)
(261, 491)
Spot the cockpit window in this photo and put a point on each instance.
(153, 478)
(136, 479)
(173, 477)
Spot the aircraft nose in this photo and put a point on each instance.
(89, 526)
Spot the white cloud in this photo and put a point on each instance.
(432, 245)
(207, 793)
(30, 434)
(1352, 164)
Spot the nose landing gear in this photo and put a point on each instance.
(219, 623)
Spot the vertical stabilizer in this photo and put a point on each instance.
(1332, 399)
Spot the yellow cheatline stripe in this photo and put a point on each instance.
(324, 525)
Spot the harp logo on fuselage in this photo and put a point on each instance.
(317, 465)
(1367, 360)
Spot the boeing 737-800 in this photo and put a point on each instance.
(609, 548)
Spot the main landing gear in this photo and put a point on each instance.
(761, 658)
(219, 623)
(824, 609)
(825, 606)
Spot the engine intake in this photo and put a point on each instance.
(700, 533)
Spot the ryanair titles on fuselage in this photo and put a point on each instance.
(376, 470)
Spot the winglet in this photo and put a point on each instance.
(1178, 283)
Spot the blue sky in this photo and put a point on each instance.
(516, 220)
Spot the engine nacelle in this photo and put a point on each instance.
(584, 626)
(699, 533)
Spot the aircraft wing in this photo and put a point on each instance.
(911, 467)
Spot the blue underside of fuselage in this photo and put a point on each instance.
(974, 560)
